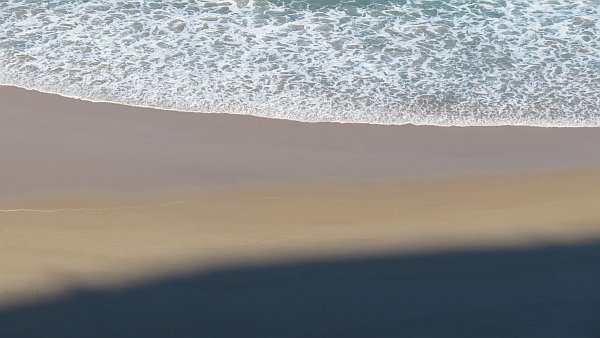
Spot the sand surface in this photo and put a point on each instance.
(50, 143)
(97, 196)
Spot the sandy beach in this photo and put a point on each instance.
(99, 200)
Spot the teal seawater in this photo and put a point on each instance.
(489, 62)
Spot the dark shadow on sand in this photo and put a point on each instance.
(552, 291)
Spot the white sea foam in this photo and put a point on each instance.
(519, 62)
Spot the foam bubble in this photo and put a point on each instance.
(424, 62)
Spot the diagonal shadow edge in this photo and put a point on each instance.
(547, 291)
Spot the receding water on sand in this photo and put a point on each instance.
(391, 62)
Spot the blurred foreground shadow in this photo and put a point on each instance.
(551, 291)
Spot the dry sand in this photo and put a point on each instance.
(105, 196)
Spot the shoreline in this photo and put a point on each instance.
(176, 110)
(112, 147)
(99, 195)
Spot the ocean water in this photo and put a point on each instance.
(454, 62)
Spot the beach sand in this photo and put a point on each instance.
(99, 196)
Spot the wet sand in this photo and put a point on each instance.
(50, 143)
(103, 196)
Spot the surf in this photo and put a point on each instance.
(384, 62)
